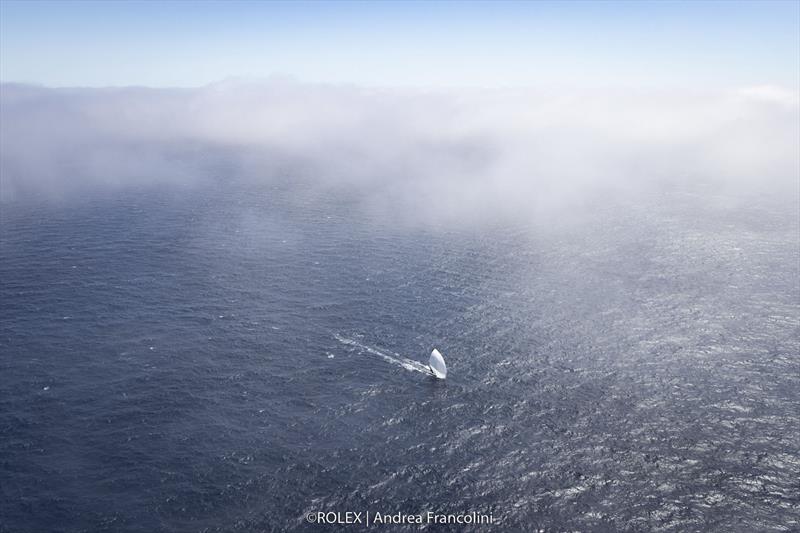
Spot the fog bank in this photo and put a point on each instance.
(462, 154)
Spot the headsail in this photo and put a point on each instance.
(437, 365)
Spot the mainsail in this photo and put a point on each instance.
(437, 365)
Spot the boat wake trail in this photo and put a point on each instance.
(390, 357)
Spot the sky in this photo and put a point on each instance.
(714, 44)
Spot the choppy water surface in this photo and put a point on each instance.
(231, 359)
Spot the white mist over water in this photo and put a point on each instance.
(462, 156)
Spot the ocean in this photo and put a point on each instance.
(240, 356)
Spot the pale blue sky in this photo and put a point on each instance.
(160, 44)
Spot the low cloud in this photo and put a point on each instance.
(459, 155)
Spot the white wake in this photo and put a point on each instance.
(390, 357)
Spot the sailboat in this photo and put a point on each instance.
(436, 364)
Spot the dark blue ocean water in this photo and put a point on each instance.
(228, 357)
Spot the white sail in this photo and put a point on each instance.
(437, 365)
